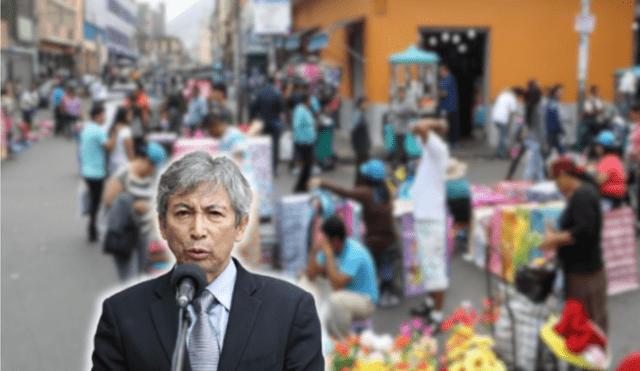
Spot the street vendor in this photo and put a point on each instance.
(351, 271)
(578, 242)
(381, 238)
(610, 174)
(218, 125)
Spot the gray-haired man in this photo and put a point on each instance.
(257, 322)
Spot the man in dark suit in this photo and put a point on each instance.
(254, 322)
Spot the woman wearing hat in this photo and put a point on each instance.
(377, 205)
(578, 242)
(137, 178)
(610, 175)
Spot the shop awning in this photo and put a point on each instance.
(317, 42)
(293, 41)
(634, 69)
(414, 55)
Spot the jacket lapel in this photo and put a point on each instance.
(164, 313)
(244, 310)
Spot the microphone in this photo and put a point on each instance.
(189, 280)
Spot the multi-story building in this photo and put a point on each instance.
(151, 21)
(19, 41)
(60, 34)
(109, 30)
(489, 45)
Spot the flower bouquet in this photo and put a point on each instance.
(465, 350)
(412, 350)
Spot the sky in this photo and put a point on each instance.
(174, 7)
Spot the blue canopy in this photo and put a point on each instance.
(414, 55)
(634, 69)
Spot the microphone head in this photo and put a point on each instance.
(193, 271)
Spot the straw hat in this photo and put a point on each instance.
(456, 169)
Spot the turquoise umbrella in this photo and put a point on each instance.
(414, 55)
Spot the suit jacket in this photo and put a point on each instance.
(273, 325)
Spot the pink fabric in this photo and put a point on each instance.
(619, 250)
(183, 146)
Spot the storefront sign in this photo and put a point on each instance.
(271, 17)
(25, 29)
(317, 42)
(292, 43)
(585, 23)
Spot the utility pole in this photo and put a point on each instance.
(236, 63)
(584, 25)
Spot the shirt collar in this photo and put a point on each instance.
(222, 286)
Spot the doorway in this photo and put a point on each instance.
(355, 41)
(464, 50)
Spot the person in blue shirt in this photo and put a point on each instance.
(56, 101)
(350, 269)
(94, 146)
(198, 108)
(304, 138)
(449, 103)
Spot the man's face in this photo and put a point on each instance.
(200, 227)
(100, 118)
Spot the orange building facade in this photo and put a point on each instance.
(527, 39)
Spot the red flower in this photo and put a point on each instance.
(345, 369)
(342, 349)
(402, 366)
(422, 365)
(353, 340)
(402, 341)
(366, 350)
(447, 325)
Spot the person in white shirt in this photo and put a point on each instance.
(429, 196)
(29, 104)
(124, 150)
(504, 110)
(98, 92)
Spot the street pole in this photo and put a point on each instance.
(236, 63)
(583, 60)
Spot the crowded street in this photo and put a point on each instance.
(46, 259)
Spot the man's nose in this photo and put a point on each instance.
(198, 227)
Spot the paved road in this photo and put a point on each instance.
(53, 280)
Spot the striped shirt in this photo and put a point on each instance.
(141, 189)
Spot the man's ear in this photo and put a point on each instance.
(241, 229)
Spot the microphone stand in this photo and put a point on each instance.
(184, 321)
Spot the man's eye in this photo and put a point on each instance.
(182, 213)
(216, 213)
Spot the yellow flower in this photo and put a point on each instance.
(465, 331)
(481, 341)
(364, 365)
(476, 360)
(456, 354)
(458, 366)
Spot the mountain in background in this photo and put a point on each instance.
(186, 26)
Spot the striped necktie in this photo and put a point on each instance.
(204, 351)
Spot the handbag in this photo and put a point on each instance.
(121, 244)
(536, 282)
